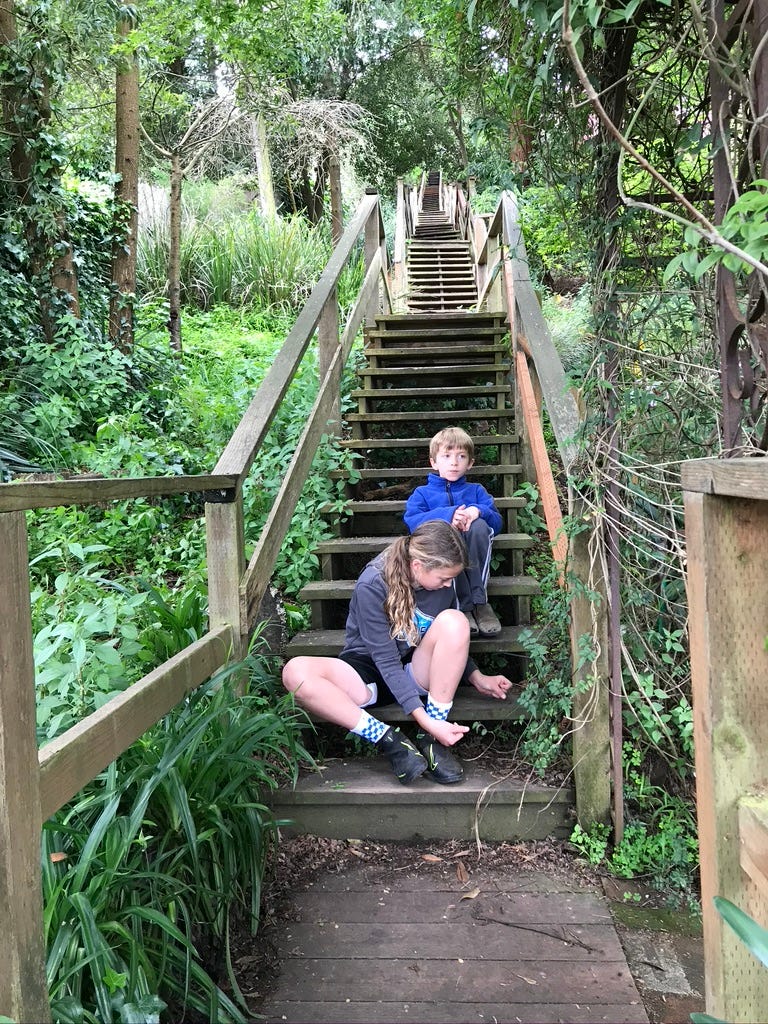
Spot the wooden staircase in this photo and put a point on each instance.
(424, 371)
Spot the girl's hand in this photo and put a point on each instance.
(491, 686)
(447, 733)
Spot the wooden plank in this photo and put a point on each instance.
(238, 455)
(23, 992)
(753, 840)
(728, 609)
(395, 904)
(739, 478)
(498, 586)
(23, 494)
(256, 578)
(225, 549)
(71, 760)
(390, 928)
(464, 982)
(480, 440)
(395, 1011)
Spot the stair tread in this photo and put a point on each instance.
(498, 586)
(479, 440)
(432, 414)
(431, 393)
(439, 369)
(372, 545)
(358, 507)
(329, 642)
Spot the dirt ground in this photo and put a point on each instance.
(663, 946)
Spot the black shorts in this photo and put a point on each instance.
(366, 669)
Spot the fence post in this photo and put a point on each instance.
(327, 346)
(590, 713)
(372, 242)
(225, 541)
(726, 541)
(23, 992)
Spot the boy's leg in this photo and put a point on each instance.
(479, 541)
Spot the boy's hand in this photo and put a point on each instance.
(460, 520)
(491, 686)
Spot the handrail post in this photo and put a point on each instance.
(398, 282)
(372, 243)
(327, 347)
(23, 991)
(225, 540)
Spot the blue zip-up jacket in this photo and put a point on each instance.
(439, 499)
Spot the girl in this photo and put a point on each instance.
(406, 642)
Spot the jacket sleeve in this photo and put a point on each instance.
(418, 510)
(374, 629)
(488, 510)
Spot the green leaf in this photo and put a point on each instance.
(753, 935)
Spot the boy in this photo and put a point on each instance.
(470, 508)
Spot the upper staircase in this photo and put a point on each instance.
(438, 365)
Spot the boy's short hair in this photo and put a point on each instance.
(451, 437)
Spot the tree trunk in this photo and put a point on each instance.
(174, 257)
(337, 212)
(127, 197)
(263, 167)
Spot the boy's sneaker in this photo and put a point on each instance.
(407, 763)
(443, 766)
(487, 621)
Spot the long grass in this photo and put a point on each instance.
(146, 871)
(242, 261)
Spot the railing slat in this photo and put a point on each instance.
(737, 478)
(69, 762)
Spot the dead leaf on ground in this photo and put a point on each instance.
(57, 858)
(461, 872)
(471, 895)
(461, 853)
(431, 858)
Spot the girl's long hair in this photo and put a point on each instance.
(437, 545)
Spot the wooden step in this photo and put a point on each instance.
(373, 545)
(328, 642)
(429, 415)
(425, 333)
(431, 394)
(498, 586)
(441, 370)
(479, 441)
(361, 798)
(396, 321)
(398, 507)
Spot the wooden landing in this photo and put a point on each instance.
(372, 946)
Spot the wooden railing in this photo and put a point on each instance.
(726, 529)
(34, 784)
(541, 385)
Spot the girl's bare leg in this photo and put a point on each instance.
(440, 658)
(328, 688)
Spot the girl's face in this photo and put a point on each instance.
(433, 579)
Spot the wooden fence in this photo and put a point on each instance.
(35, 784)
(726, 528)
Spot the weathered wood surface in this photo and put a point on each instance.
(240, 451)
(90, 490)
(753, 840)
(375, 946)
(740, 478)
(727, 540)
(71, 760)
(23, 993)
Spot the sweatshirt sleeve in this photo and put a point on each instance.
(418, 510)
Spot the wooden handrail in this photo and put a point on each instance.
(25, 495)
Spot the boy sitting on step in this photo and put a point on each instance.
(470, 508)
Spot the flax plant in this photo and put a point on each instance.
(147, 871)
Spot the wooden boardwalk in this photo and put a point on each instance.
(383, 947)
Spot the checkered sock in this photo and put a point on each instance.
(437, 710)
(369, 728)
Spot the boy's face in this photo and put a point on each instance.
(451, 463)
